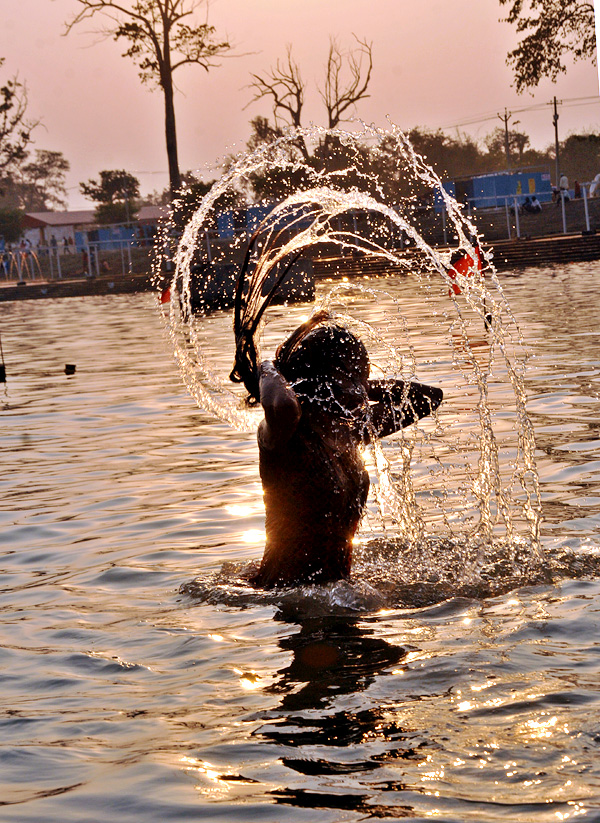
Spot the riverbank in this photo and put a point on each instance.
(507, 254)
(76, 287)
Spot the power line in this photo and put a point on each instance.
(485, 117)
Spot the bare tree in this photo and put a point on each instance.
(162, 36)
(15, 128)
(551, 29)
(284, 85)
(339, 95)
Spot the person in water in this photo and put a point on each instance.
(320, 409)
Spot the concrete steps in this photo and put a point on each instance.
(507, 254)
(546, 251)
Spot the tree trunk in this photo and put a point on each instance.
(171, 135)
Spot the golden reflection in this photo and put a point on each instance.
(494, 703)
(540, 729)
(435, 774)
(479, 687)
(242, 509)
(250, 681)
(417, 655)
(578, 809)
(203, 769)
(253, 536)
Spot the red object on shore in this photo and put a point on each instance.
(464, 265)
(165, 295)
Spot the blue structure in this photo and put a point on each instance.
(109, 238)
(234, 221)
(492, 191)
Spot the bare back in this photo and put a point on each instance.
(315, 489)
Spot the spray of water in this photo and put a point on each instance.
(463, 486)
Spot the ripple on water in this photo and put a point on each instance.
(124, 699)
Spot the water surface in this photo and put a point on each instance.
(125, 697)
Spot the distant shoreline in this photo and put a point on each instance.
(507, 254)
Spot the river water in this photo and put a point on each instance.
(141, 680)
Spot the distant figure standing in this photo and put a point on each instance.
(66, 249)
(563, 186)
(576, 190)
(54, 245)
(595, 187)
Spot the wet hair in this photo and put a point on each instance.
(249, 306)
(321, 349)
(318, 349)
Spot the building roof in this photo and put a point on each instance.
(35, 219)
(150, 214)
(40, 219)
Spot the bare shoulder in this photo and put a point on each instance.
(281, 407)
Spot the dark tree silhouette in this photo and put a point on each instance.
(347, 77)
(340, 94)
(15, 128)
(162, 36)
(285, 86)
(518, 142)
(112, 187)
(551, 30)
(39, 184)
(115, 192)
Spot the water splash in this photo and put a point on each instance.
(467, 477)
(384, 577)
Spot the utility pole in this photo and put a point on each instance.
(555, 121)
(505, 118)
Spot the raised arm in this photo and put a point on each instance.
(397, 404)
(281, 407)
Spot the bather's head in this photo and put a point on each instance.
(325, 362)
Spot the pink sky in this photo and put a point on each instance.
(437, 63)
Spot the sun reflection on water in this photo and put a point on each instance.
(253, 536)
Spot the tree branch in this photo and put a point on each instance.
(285, 87)
(337, 96)
(15, 129)
(553, 30)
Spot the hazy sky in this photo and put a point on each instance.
(437, 63)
